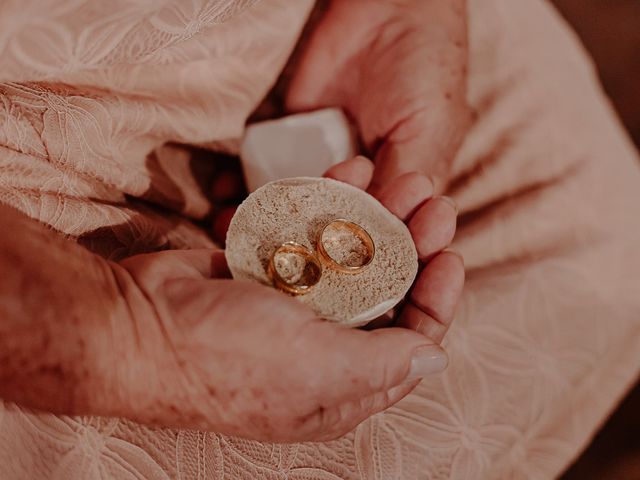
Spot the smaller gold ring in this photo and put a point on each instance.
(307, 278)
(357, 231)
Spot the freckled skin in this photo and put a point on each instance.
(399, 68)
(167, 339)
(45, 283)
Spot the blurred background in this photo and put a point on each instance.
(610, 29)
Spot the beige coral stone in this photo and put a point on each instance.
(296, 209)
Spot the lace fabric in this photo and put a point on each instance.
(546, 338)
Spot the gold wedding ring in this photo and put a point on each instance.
(294, 268)
(345, 246)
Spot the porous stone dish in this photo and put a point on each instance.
(296, 210)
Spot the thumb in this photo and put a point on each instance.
(353, 374)
(357, 363)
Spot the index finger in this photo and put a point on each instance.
(357, 171)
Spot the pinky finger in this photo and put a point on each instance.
(431, 305)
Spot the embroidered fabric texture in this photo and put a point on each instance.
(546, 339)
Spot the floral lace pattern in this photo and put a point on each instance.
(93, 93)
(546, 338)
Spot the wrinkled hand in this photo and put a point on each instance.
(398, 67)
(202, 351)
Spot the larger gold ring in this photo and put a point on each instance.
(338, 250)
(289, 274)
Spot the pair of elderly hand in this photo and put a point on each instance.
(243, 359)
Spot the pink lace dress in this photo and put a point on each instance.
(96, 100)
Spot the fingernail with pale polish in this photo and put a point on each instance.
(452, 203)
(427, 361)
